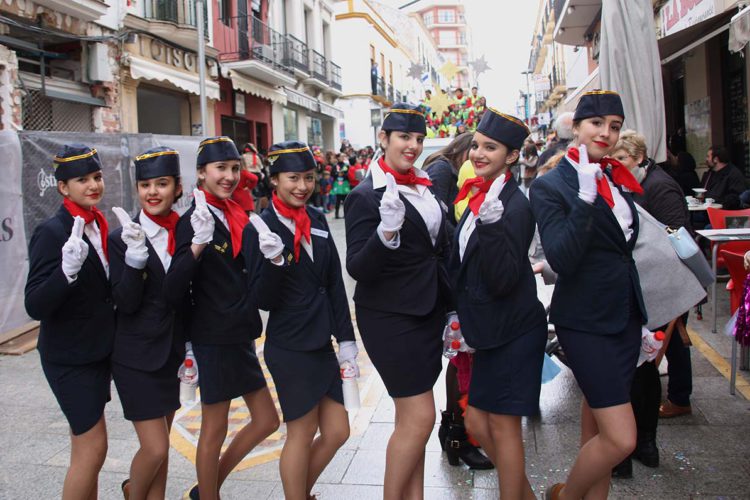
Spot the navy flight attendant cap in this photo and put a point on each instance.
(213, 149)
(503, 128)
(290, 156)
(157, 162)
(76, 160)
(403, 117)
(599, 103)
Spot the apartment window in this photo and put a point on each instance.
(314, 131)
(429, 18)
(225, 11)
(446, 16)
(390, 71)
(382, 66)
(447, 37)
(291, 132)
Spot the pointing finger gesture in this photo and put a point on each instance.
(77, 231)
(392, 209)
(497, 186)
(122, 216)
(259, 224)
(391, 188)
(269, 242)
(200, 199)
(583, 154)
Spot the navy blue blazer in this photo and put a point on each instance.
(306, 300)
(148, 328)
(222, 310)
(494, 286)
(77, 319)
(585, 245)
(410, 280)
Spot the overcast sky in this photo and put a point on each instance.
(501, 31)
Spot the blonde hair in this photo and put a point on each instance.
(633, 143)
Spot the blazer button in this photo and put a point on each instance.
(244, 271)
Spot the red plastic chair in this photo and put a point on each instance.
(718, 219)
(734, 262)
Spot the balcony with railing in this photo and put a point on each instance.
(249, 46)
(334, 75)
(381, 87)
(318, 67)
(391, 93)
(176, 21)
(296, 56)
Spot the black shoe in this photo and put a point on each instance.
(459, 449)
(445, 422)
(623, 470)
(192, 493)
(646, 450)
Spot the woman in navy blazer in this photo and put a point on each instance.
(149, 345)
(396, 246)
(297, 279)
(224, 318)
(495, 295)
(588, 226)
(68, 292)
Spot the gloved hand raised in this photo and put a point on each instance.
(75, 250)
(133, 236)
(588, 173)
(491, 209)
(348, 352)
(392, 209)
(201, 220)
(270, 243)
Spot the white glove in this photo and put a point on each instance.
(133, 236)
(588, 173)
(75, 250)
(348, 354)
(392, 209)
(491, 209)
(270, 243)
(201, 220)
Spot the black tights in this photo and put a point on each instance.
(339, 201)
(453, 395)
(645, 397)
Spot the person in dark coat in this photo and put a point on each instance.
(588, 225)
(563, 128)
(442, 167)
(297, 279)
(685, 173)
(396, 250)
(496, 300)
(68, 291)
(723, 181)
(149, 342)
(224, 321)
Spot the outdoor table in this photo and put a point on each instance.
(723, 236)
(703, 207)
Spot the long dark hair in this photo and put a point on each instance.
(453, 152)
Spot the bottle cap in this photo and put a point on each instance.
(455, 344)
(660, 336)
(455, 325)
(188, 363)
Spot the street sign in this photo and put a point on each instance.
(376, 117)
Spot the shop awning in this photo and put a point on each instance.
(673, 46)
(245, 84)
(148, 70)
(592, 82)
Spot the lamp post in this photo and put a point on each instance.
(201, 63)
(527, 95)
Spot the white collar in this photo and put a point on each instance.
(150, 227)
(378, 176)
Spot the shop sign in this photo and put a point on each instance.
(239, 104)
(186, 60)
(302, 100)
(678, 15)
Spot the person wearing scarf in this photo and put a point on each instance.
(496, 300)
(68, 292)
(396, 250)
(298, 280)
(209, 271)
(149, 344)
(588, 226)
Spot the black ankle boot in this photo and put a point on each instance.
(646, 450)
(623, 470)
(457, 446)
(445, 422)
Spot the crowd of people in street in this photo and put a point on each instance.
(463, 113)
(456, 243)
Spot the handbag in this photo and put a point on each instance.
(689, 253)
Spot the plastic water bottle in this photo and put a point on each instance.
(188, 374)
(453, 340)
(651, 344)
(350, 388)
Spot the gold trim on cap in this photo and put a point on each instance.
(217, 139)
(78, 157)
(510, 118)
(284, 151)
(602, 92)
(405, 111)
(154, 155)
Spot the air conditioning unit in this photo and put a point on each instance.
(99, 69)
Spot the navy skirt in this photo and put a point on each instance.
(147, 395)
(81, 391)
(303, 378)
(227, 371)
(604, 365)
(507, 380)
(406, 350)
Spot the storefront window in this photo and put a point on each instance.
(152, 101)
(314, 132)
(290, 125)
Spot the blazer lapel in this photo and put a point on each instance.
(319, 246)
(413, 215)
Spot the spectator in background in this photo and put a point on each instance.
(357, 171)
(723, 181)
(684, 172)
(374, 76)
(563, 127)
(528, 165)
(253, 162)
(442, 167)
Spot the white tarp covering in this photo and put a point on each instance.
(143, 68)
(739, 30)
(629, 63)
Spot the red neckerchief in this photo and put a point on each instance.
(476, 199)
(408, 179)
(89, 216)
(300, 218)
(168, 222)
(621, 176)
(236, 217)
